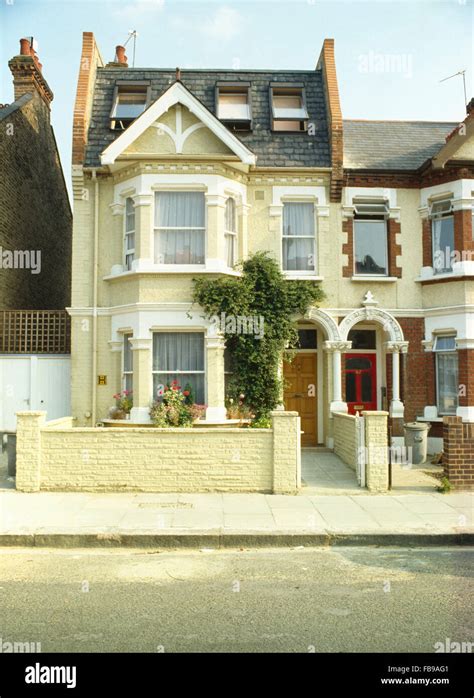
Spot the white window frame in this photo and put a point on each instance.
(354, 245)
(156, 244)
(129, 254)
(126, 337)
(444, 352)
(300, 272)
(447, 214)
(230, 236)
(178, 373)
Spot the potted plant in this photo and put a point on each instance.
(123, 405)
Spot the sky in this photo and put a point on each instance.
(390, 54)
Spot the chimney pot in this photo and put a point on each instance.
(120, 54)
(25, 47)
(178, 74)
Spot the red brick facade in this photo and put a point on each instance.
(466, 377)
(458, 458)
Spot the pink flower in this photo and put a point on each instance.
(186, 392)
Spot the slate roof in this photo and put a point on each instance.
(392, 145)
(271, 149)
(14, 106)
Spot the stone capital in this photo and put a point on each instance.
(396, 347)
(138, 344)
(332, 346)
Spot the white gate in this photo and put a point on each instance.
(34, 382)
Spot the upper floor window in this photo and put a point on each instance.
(446, 374)
(130, 100)
(129, 238)
(370, 238)
(180, 226)
(298, 237)
(233, 105)
(288, 107)
(442, 236)
(230, 232)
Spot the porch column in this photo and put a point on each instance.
(396, 405)
(143, 232)
(215, 345)
(142, 379)
(335, 348)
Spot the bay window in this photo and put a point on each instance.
(230, 232)
(446, 374)
(127, 364)
(129, 240)
(180, 227)
(179, 356)
(299, 237)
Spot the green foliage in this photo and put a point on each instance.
(444, 486)
(262, 422)
(261, 291)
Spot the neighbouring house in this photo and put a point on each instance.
(180, 173)
(35, 250)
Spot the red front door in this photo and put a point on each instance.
(361, 382)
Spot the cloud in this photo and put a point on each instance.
(225, 24)
(137, 8)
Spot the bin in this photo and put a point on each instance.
(416, 438)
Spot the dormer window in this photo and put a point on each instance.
(130, 100)
(288, 107)
(233, 105)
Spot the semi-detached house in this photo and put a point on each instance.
(181, 173)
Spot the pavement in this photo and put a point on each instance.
(330, 510)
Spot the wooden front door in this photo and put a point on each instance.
(300, 394)
(361, 382)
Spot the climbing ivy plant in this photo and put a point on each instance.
(260, 295)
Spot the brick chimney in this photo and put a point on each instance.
(27, 73)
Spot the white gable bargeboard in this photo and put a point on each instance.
(176, 94)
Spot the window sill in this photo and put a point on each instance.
(426, 419)
(174, 269)
(374, 278)
(302, 277)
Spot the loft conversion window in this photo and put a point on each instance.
(233, 105)
(442, 235)
(130, 100)
(288, 107)
(370, 238)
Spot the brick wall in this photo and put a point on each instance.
(417, 370)
(458, 457)
(58, 457)
(348, 246)
(394, 248)
(34, 210)
(466, 377)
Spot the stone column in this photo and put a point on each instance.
(242, 237)
(396, 405)
(215, 243)
(142, 379)
(286, 427)
(376, 450)
(335, 348)
(215, 345)
(118, 238)
(143, 232)
(28, 450)
(116, 347)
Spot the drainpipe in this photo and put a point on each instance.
(94, 294)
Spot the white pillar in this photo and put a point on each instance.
(397, 408)
(337, 403)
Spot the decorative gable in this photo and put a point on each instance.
(177, 123)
